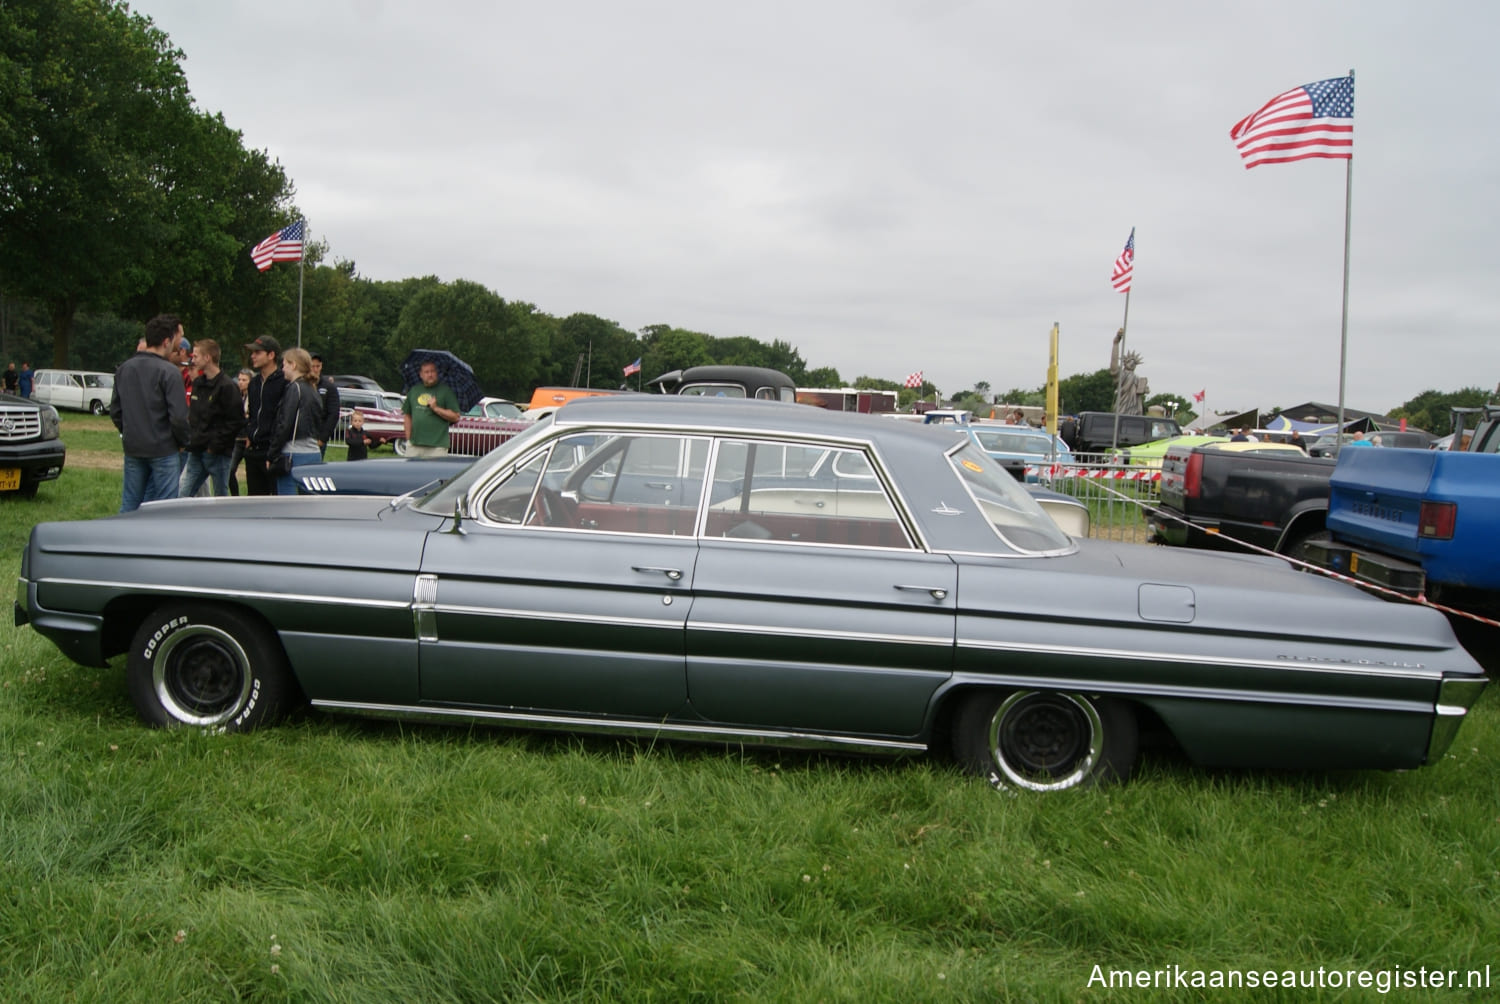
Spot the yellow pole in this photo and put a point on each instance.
(1052, 384)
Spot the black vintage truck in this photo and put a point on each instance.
(1268, 494)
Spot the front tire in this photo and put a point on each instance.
(208, 667)
(1042, 740)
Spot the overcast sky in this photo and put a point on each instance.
(895, 185)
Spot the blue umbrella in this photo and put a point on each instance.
(453, 371)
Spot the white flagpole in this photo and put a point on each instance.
(1344, 317)
(301, 255)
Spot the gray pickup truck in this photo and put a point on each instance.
(1269, 494)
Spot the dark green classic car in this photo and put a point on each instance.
(747, 572)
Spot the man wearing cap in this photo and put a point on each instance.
(328, 394)
(148, 407)
(264, 399)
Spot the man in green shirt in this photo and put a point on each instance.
(429, 409)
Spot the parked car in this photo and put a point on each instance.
(343, 380)
(31, 447)
(76, 390)
(1100, 433)
(496, 407)
(1034, 451)
(746, 572)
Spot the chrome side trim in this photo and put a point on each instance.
(564, 616)
(239, 594)
(423, 607)
(673, 730)
(1455, 698)
(1136, 689)
(1356, 669)
(782, 630)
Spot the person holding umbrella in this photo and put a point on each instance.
(429, 409)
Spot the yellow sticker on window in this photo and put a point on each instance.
(973, 466)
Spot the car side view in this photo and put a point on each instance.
(747, 572)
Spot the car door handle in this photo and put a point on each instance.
(665, 486)
(675, 574)
(937, 592)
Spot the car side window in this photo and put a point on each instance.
(611, 484)
(793, 493)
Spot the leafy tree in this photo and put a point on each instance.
(109, 178)
(499, 340)
(1432, 410)
(823, 376)
(598, 349)
(673, 348)
(1086, 392)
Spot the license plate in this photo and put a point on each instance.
(10, 479)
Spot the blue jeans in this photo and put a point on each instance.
(287, 483)
(148, 479)
(200, 467)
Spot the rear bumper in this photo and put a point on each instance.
(1368, 566)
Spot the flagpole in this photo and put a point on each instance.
(301, 255)
(1344, 317)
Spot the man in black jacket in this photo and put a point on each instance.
(266, 388)
(215, 418)
(148, 407)
(328, 393)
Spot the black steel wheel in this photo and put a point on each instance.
(1043, 740)
(209, 667)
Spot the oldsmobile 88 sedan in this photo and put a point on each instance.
(746, 572)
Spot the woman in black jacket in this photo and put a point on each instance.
(297, 421)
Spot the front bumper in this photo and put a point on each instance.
(33, 462)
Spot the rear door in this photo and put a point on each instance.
(813, 609)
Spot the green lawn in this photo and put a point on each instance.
(341, 860)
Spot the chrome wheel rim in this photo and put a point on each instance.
(202, 675)
(1045, 741)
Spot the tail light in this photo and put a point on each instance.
(1435, 520)
(1192, 477)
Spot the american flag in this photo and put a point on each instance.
(1314, 120)
(1125, 265)
(633, 368)
(915, 379)
(284, 245)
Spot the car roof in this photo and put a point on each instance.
(732, 415)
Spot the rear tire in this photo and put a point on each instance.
(208, 667)
(1042, 740)
(96, 407)
(399, 445)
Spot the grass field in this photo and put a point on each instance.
(340, 860)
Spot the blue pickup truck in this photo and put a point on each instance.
(1420, 521)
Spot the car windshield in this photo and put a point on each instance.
(456, 489)
(1011, 510)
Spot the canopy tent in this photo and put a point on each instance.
(1313, 428)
